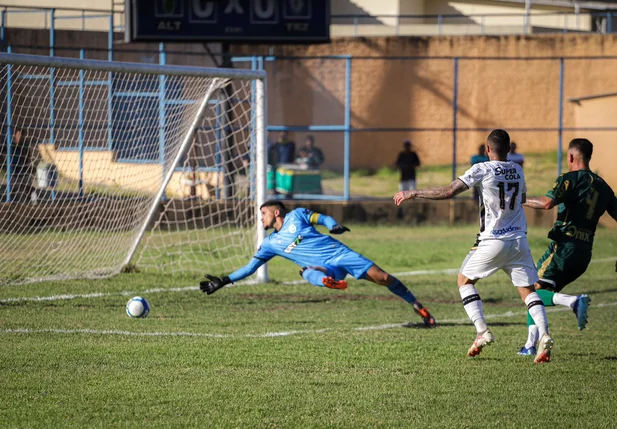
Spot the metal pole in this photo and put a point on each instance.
(526, 30)
(347, 138)
(110, 82)
(2, 33)
(52, 78)
(560, 133)
(186, 143)
(260, 167)
(9, 123)
(162, 99)
(217, 150)
(454, 116)
(80, 125)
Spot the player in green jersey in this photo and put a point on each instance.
(582, 197)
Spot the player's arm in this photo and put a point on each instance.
(540, 203)
(441, 193)
(213, 283)
(327, 221)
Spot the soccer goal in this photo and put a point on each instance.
(108, 166)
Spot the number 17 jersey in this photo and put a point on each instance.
(501, 185)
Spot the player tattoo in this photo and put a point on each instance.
(443, 192)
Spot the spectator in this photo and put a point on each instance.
(273, 153)
(407, 162)
(21, 167)
(315, 155)
(303, 158)
(480, 156)
(286, 149)
(476, 159)
(514, 156)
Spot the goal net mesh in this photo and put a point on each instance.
(85, 155)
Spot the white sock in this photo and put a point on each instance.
(538, 313)
(473, 306)
(565, 300)
(532, 336)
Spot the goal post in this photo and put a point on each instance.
(109, 164)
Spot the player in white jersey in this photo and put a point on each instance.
(502, 242)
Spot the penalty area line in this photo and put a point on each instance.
(273, 334)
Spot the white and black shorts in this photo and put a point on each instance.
(511, 256)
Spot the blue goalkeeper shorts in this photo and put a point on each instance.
(349, 262)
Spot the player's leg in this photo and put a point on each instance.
(523, 275)
(324, 276)
(376, 275)
(480, 262)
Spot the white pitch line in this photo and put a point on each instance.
(270, 334)
(446, 271)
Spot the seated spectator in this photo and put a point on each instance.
(303, 158)
(315, 155)
(286, 149)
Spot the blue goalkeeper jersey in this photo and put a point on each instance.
(298, 241)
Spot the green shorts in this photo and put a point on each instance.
(561, 264)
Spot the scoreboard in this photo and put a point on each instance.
(242, 21)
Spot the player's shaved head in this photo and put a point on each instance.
(499, 142)
(274, 203)
(584, 147)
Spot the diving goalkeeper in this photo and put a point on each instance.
(324, 260)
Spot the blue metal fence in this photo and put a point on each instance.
(161, 91)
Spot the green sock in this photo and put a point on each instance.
(547, 299)
(546, 296)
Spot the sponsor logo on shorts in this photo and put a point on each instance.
(294, 244)
(504, 231)
(579, 234)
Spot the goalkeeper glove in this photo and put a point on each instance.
(339, 229)
(213, 284)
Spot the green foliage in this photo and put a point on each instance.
(233, 372)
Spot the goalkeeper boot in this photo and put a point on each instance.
(332, 283)
(428, 319)
(484, 339)
(544, 349)
(581, 307)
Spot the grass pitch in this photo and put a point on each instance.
(293, 355)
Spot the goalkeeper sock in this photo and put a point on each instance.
(399, 289)
(313, 276)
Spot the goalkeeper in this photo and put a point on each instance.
(324, 260)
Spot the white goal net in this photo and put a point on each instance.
(111, 165)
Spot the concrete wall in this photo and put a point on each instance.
(601, 112)
(418, 93)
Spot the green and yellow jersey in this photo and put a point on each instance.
(583, 197)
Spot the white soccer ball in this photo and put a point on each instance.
(137, 307)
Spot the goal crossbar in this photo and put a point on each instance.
(127, 67)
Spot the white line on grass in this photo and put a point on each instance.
(447, 271)
(269, 334)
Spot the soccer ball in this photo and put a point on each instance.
(137, 307)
